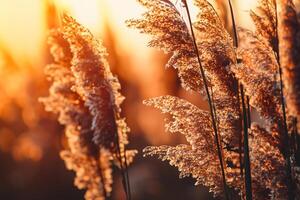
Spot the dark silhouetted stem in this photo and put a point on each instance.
(297, 143)
(236, 44)
(240, 143)
(286, 143)
(209, 101)
(248, 184)
(246, 120)
(124, 169)
(248, 112)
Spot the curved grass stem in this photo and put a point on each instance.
(246, 120)
(210, 102)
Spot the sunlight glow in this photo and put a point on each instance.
(244, 8)
(21, 26)
(22, 23)
(86, 13)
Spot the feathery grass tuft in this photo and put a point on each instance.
(86, 97)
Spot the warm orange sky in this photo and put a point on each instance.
(22, 28)
(20, 25)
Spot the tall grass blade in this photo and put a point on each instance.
(246, 119)
(248, 184)
(286, 141)
(124, 168)
(235, 37)
(248, 111)
(213, 118)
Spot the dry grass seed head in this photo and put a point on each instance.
(169, 33)
(86, 96)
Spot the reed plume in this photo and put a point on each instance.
(217, 54)
(288, 35)
(257, 72)
(265, 20)
(285, 26)
(254, 65)
(159, 21)
(199, 157)
(267, 165)
(85, 95)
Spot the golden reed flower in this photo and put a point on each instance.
(171, 34)
(289, 48)
(254, 64)
(86, 97)
(265, 20)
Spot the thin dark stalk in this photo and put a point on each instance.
(248, 183)
(297, 153)
(125, 181)
(241, 154)
(124, 170)
(126, 174)
(294, 135)
(209, 101)
(236, 44)
(246, 120)
(214, 106)
(240, 148)
(248, 111)
(240, 143)
(286, 143)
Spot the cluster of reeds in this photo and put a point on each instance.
(248, 72)
(239, 74)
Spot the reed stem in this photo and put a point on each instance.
(124, 170)
(210, 101)
(235, 40)
(246, 120)
(286, 143)
(248, 111)
(248, 182)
